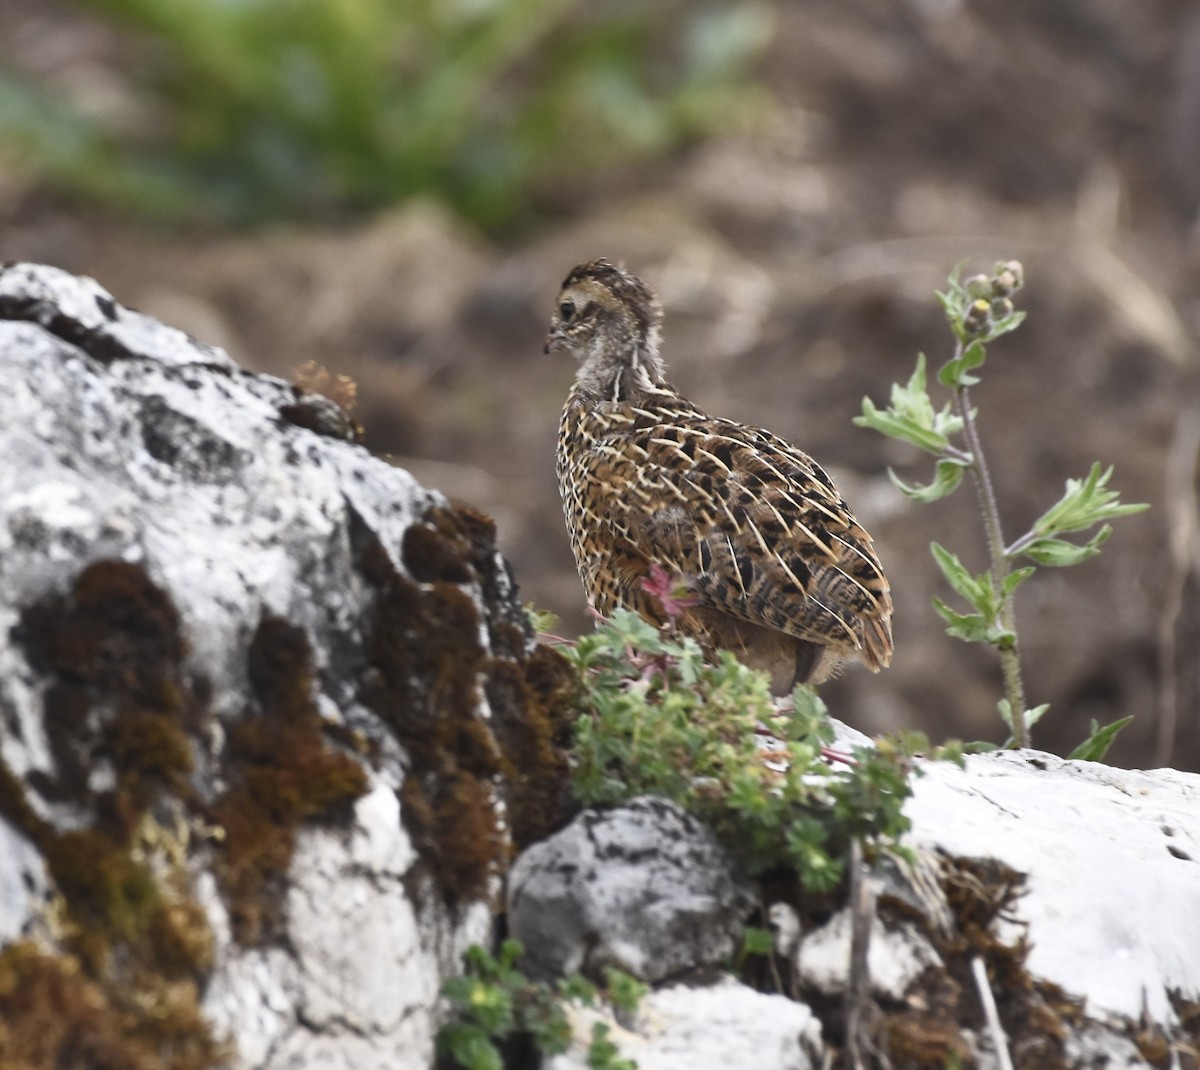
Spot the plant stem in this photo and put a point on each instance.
(1009, 658)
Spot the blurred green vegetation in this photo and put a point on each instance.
(250, 110)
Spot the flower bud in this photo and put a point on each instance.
(1001, 307)
(978, 286)
(978, 314)
(1008, 279)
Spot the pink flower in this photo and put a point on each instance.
(673, 592)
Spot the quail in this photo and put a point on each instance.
(776, 568)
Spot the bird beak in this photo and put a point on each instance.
(554, 340)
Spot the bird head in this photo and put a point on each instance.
(608, 319)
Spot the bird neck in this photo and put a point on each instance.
(628, 374)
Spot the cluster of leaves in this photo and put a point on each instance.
(293, 108)
(980, 310)
(496, 1010)
(656, 718)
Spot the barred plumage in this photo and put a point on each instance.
(780, 571)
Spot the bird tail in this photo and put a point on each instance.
(876, 652)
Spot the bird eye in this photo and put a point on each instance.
(566, 310)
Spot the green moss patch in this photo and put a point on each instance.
(52, 1015)
(529, 700)
(123, 990)
(479, 720)
(135, 948)
(281, 771)
(430, 678)
(113, 652)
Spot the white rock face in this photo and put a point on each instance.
(722, 1026)
(895, 957)
(359, 982)
(645, 888)
(67, 304)
(1096, 1046)
(186, 468)
(1113, 864)
(23, 884)
(125, 440)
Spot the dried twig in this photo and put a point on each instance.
(988, 1000)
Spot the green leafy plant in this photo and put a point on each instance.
(495, 1010)
(1100, 738)
(603, 1054)
(290, 108)
(980, 310)
(657, 719)
(757, 941)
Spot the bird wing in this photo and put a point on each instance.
(756, 528)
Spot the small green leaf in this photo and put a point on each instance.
(603, 1054)
(1004, 325)
(757, 941)
(900, 425)
(810, 715)
(624, 990)
(910, 416)
(950, 751)
(976, 591)
(1084, 504)
(1005, 709)
(469, 1046)
(980, 746)
(982, 626)
(947, 476)
(480, 963)
(956, 372)
(951, 302)
(954, 302)
(1014, 580)
(1095, 747)
(578, 989)
(1032, 716)
(546, 1019)
(510, 954)
(542, 621)
(1058, 553)
(969, 627)
(1036, 714)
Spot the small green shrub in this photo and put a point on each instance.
(497, 1012)
(655, 718)
(290, 108)
(980, 310)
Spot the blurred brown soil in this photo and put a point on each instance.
(797, 265)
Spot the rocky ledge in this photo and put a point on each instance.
(273, 729)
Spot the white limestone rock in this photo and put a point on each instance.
(124, 440)
(76, 307)
(24, 888)
(1097, 1046)
(364, 963)
(1112, 859)
(897, 955)
(722, 1026)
